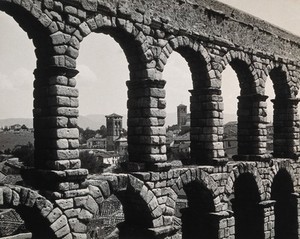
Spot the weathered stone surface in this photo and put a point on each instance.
(77, 226)
(210, 36)
(65, 133)
(59, 223)
(65, 203)
(54, 215)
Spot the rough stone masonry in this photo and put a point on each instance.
(255, 196)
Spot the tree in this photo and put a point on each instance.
(25, 153)
(103, 131)
(89, 161)
(24, 127)
(86, 134)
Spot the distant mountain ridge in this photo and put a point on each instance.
(11, 121)
(94, 121)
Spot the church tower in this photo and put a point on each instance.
(181, 115)
(114, 128)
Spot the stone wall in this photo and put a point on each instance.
(209, 36)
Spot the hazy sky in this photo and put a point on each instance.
(103, 67)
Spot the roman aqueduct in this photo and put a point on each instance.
(254, 196)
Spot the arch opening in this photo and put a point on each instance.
(269, 91)
(249, 215)
(193, 208)
(34, 30)
(285, 209)
(189, 124)
(35, 223)
(23, 219)
(178, 83)
(279, 79)
(104, 225)
(244, 76)
(138, 218)
(17, 134)
(230, 93)
(40, 65)
(250, 112)
(16, 89)
(122, 215)
(197, 65)
(103, 110)
(285, 137)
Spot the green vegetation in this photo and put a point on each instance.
(9, 140)
(25, 153)
(90, 162)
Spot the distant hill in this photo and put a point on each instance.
(94, 121)
(11, 121)
(8, 140)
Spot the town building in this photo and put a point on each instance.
(121, 145)
(96, 142)
(15, 127)
(107, 158)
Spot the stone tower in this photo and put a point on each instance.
(114, 129)
(181, 115)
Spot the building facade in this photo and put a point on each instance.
(96, 142)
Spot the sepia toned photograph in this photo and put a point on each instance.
(149, 119)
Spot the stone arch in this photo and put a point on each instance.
(285, 208)
(44, 33)
(251, 107)
(240, 169)
(279, 165)
(280, 78)
(31, 13)
(194, 53)
(244, 191)
(248, 213)
(242, 65)
(205, 100)
(150, 210)
(202, 197)
(41, 217)
(285, 114)
(133, 41)
(143, 78)
(140, 205)
(39, 27)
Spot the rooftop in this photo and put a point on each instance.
(114, 115)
